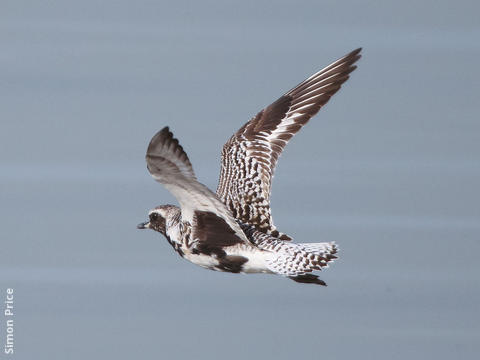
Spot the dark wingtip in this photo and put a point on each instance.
(165, 132)
(355, 53)
(160, 137)
(354, 56)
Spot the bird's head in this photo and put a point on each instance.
(157, 219)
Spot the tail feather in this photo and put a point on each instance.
(292, 260)
(297, 260)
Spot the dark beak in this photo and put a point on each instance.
(144, 225)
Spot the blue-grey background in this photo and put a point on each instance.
(389, 169)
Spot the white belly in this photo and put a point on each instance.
(256, 262)
(205, 261)
(256, 258)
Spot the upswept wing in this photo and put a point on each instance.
(168, 164)
(250, 156)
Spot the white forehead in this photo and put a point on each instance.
(160, 212)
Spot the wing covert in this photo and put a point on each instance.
(249, 157)
(168, 164)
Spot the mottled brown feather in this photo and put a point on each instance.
(212, 234)
(251, 154)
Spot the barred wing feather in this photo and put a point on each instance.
(249, 157)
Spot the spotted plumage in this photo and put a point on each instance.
(232, 230)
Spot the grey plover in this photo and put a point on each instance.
(232, 230)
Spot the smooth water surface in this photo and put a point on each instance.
(389, 169)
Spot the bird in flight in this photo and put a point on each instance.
(232, 230)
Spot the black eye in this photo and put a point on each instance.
(153, 216)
